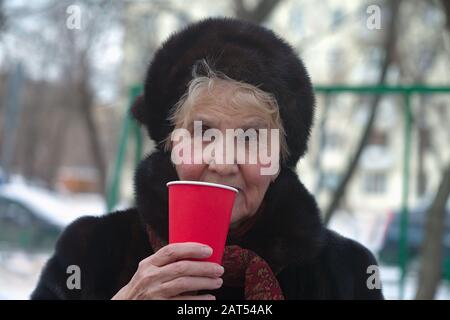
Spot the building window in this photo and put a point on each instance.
(338, 18)
(374, 182)
(336, 57)
(329, 180)
(375, 56)
(378, 138)
(333, 140)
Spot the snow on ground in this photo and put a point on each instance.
(368, 229)
(19, 270)
(19, 273)
(390, 276)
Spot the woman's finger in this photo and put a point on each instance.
(186, 284)
(179, 251)
(191, 269)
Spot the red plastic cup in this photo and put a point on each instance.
(200, 212)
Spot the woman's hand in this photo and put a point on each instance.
(167, 275)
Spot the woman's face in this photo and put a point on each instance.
(247, 178)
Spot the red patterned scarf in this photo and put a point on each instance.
(243, 268)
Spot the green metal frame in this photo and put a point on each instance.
(129, 127)
(406, 92)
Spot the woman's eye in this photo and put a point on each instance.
(249, 138)
(198, 132)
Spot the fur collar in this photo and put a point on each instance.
(288, 231)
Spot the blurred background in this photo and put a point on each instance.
(379, 156)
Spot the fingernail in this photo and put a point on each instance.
(220, 270)
(207, 251)
(219, 282)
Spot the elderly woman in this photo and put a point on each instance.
(224, 74)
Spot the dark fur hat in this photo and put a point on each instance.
(243, 51)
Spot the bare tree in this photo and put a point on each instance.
(432, 250)
(258, 14)
(2, 18)
(389, 49)
(446, 8)
(70, 51)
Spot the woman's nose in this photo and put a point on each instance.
(223, 169)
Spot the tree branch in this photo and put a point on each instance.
(432, 251)
(390, 44)
(257, 15)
